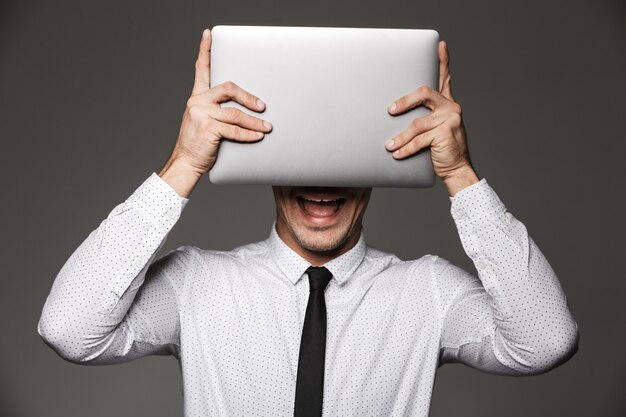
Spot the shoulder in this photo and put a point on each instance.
(171, 262)
(439, 272)
(451, 280)
(390, 262)
(194, 255)
(190, 263)
(449, 272)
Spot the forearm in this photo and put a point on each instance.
(96, 286)
(460, 179)
(180, 176)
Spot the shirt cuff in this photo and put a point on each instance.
(478, 200)
(156, 198)
(183, 200)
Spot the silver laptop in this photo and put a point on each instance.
(326, 91)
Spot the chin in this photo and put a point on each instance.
(321, 239)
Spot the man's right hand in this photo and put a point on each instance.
(205, 123)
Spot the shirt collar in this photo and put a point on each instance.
(294, 266)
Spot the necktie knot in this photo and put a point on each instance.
(319, 277)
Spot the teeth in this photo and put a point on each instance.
(320, 200)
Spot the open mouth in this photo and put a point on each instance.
(320, 206)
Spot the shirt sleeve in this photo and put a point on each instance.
(111, 301)
(513, 317)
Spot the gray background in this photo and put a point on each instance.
(91, 96)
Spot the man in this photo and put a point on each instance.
(260, 332)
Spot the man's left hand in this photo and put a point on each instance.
(442, 130)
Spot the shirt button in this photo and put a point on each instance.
(480, 265)
(458, 214)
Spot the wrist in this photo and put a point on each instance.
(460, 178)
(180, 176)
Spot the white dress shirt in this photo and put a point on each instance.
(234, 318)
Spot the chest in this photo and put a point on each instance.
(376, 324)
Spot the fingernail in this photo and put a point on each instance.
(396, 153)
(260, 103)
(267, 124)
(392, 107)
(389, 143)
(205, 33)
(259, 134)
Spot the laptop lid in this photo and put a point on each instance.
(326, 91)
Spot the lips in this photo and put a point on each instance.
(320, 206)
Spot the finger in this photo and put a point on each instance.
(418, 143)
(417, 127)
(424, 95)
(237, 133)
(232, 115)
(202, 80)
(229, 90)
(444, 70)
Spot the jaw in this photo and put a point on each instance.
(318, 245)
(320, 223)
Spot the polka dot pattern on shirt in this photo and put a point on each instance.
(234, 318)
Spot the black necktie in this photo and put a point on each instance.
(310, 380)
